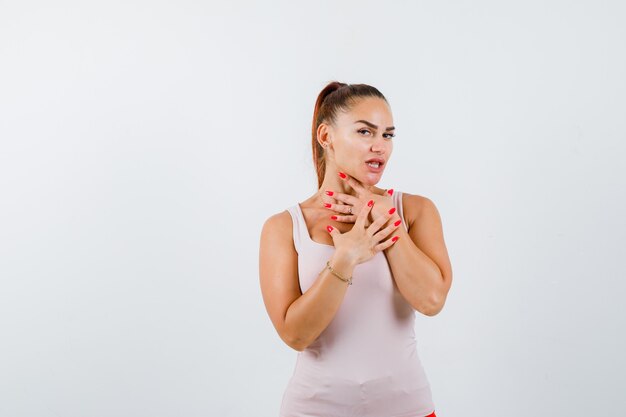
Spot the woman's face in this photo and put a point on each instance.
(363, 134)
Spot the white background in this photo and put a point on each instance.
(143, 145)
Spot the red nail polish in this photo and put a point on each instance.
(333, 217)
(342, 175)
(390, 191)
(327, 205)
(370, 203)
(395, 238)
(397, 223)
(329, 228)
(329, 193)
(392, 210)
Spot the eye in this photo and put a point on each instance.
(387, 135)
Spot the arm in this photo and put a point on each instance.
(419, 260)
(298, 318)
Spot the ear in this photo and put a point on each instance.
(324, 136)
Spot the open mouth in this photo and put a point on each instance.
(374, 167)
(375, 164)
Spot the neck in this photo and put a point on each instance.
(333, 182)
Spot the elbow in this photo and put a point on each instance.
(292, 337)
(437, 301)
(297, 345)
(297, 348)
(433, 311)
(293, 342)
(300, 344)
(434, 307)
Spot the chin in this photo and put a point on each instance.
(369, 180)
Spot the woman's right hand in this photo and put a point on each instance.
(361, 243)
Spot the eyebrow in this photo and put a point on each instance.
(373, 126)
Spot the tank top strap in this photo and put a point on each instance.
(397, 202)
(297, 225)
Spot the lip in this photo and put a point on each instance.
(380, 160)
(372, 169)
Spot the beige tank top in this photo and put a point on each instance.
(365, 363)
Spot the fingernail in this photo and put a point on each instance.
(342, 175)
(370, 203)
(390, 191)
(333, 217)
(329, 228)
(397, 223)
(395, 238)
(329, 193)
(326, 205)
(392, 210)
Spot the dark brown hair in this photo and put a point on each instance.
(333, 98)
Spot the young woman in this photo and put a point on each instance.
(343, 273)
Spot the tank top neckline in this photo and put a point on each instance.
(306, 229)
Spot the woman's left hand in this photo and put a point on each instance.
(382, 203)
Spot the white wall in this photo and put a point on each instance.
(143, 145)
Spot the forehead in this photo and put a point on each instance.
(373, 109)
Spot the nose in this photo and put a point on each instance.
(379, 145)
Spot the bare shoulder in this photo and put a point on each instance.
(414, 206)
(279, 224)
(277, 235)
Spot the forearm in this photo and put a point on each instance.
(312, 312)
(418, 278)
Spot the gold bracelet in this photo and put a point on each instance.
(349, 281)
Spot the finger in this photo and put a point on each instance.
(352, 182)
(362, 216)
(358, 187)
(377, 224)
(344, 219)
(344, 198)
(332, 231)
(380, 235)
(327, 202)
(392, 219)
(346, 209)
(387, 243)
(341, 208)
